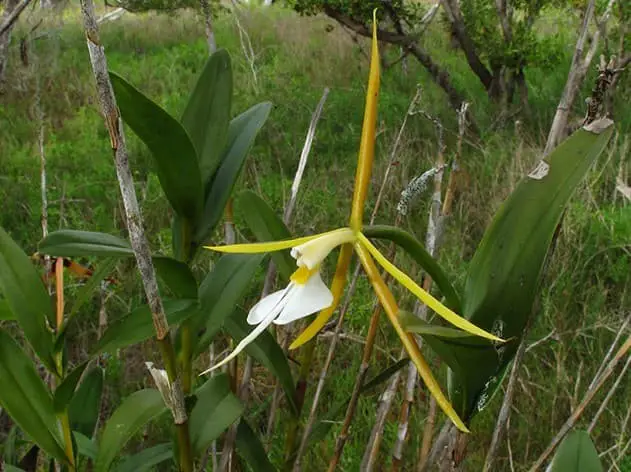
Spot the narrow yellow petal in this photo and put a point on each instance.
(424, 296)
(271, 246)
(409, 343)
(367, 144)
(337, 288)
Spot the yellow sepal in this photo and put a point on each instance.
(409, 343)
(422, 295)
(272, 246)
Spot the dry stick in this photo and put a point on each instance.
(12, 17)
(246, 45)
(507, 403)
(610, 394)
(137, 236)
(434, 229)
(271, 272)
(208, 23)
(578, 70)
(589, 395)
(610, 352)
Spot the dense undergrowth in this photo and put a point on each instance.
(586, 291)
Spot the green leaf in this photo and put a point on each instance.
(12, 468)
(172, 150)
(266, 350)
(207, 112)
(26, 399)
(249, 447)
(417, 251)
(504, 274)
(241, 134)
(65, 390)
(221, 290)
(90, 288)
(215, 410)
(266, 225)
(85, 446)
(137, 326)
(576, 454)
(26, 296)
(5, 311)
(414, 324)
(132, 414)
(72, 243)
(177, 276)
(86, 403)
(146, 459)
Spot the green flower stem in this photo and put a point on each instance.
(416, 250)
(65, 426)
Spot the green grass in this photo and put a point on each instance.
(586, 290)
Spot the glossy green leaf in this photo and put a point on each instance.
(215, 410)
(146, 459)
(26, 399)
(65, 390)
(133, 413)
(91, 287)
(207, 112)
(576, 453)
(137, 326)
(417, 251)
(266, 225)
(241, 134)
(27, 298)
(72, 243)
(221, 290)
(85, 446)
(504, 274)
(177, 276)
(85, 405)
(266, 350)
(173, 152)
(251, 449)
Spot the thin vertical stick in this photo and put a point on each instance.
(589, 395)
(610, 394)
(208, 23)
(59, 284)
(137, 236)
(289, 208)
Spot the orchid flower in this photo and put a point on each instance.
(307, 293)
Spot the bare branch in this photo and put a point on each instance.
(13, 16)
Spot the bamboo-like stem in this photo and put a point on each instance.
(137, 237)
(578, 412)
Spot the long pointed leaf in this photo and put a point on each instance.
(207, 112)
(85, 405)
(135, 411)
(249, 447)
(576, 453)
(26, 399)
(27, 297)
(241, 134)
(172, 150)
(146, 459)
(71, 243)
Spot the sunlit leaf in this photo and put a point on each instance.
(85, 446)
(133, 413)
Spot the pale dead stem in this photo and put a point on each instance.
(246, 45)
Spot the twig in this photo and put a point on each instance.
(610, 351)
(504, 416)
(289, 208)
(208, 23)
(610, 394)
(111, 16)
(589, 395)
(137, 236)
(246, 45)
(13, 16)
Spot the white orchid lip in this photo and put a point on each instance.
(306, 294)
(313, 252)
